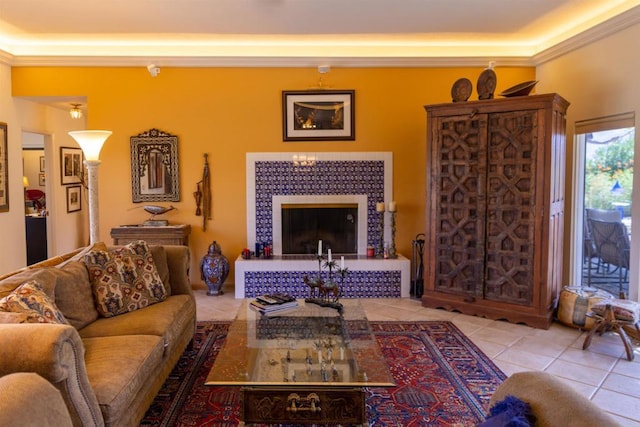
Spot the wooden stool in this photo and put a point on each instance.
(614, 314)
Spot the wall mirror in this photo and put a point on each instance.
(154, 167)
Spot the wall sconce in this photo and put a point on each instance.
(75, 112)
(91, 142)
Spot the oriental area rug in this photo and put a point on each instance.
(442, 379)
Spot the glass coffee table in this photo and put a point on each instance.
(306, 365)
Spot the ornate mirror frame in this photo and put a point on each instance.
(154, 167)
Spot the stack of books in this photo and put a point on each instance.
(273, 302)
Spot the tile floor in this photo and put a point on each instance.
(602, 373)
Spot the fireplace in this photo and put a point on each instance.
(304, 224)
(351, 183)
(340, 221)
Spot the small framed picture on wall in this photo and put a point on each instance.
(71, 171)
(326, 115)
(74, 199)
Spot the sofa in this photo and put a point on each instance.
(106, 349)
(552, 402)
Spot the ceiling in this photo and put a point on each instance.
(299, 32)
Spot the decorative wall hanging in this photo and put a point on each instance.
(154, 167)
(204, 193)
(71, 168)
(4, 171)
(318, 115)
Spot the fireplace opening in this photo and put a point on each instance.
(304, 224)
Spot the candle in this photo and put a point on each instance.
(319, 356)
(319, 247)
(342, 263)
(341, 353)
(380, 207)
(329, 255)
(392, 206)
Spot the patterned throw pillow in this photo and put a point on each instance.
(32, 304)
(124, 279)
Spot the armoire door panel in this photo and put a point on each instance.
(459, 183)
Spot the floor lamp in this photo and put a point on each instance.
(91, 142)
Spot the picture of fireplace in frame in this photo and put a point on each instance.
(304, 224)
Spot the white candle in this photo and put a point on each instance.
(319, 356)
(342, 263)
(341, 353)
(329, 255)
(319, 247)
(380, 207)
(392, 206)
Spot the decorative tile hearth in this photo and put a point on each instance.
(367, 277)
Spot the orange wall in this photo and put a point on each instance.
(228, 112)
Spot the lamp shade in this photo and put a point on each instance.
(91, 142)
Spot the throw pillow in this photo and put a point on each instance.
(74, 296)
(31, 300)
(124, 279)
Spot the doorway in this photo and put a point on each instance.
(603, 187)
(36, 196)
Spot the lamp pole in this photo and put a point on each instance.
(91, 142)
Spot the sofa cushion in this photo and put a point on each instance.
(118, 367)
(124, 279)
(160, 259)
(166, 320)
(74, 296)
(30, 299)
(43, 276)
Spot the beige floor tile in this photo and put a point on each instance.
(573, 371)
(498, 336)
(623, 384)
(630, 369)
(539, 345)
(587, 358)
(625, 422)
(509, 368)
(584, 389)
(531, 361)
(618, 403)
(489, 348)
(468, 327)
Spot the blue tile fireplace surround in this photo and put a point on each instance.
(362, 178)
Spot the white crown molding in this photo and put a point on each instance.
(419, 56)
(292, 62)
(598, 32)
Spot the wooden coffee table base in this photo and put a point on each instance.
(302, 405)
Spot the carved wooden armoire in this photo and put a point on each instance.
(495, 207)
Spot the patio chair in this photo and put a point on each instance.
(612, 246)
(589, 249)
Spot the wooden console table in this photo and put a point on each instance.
(160, 235)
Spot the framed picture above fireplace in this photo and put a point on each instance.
(323, 115)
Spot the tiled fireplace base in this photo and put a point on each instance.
(366, 278)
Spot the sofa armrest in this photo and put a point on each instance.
(56, 353)
(178, 260)
(553, 402)
(19, 391)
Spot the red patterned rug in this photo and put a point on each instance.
(442, 379)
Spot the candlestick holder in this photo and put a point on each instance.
(392, 244)
(380, 250)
